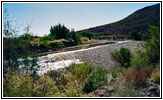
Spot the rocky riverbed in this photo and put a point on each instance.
(97, 56)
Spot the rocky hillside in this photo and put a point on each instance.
(138, 21)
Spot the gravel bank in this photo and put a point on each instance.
(97, 56)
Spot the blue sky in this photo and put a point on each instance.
(73, 15)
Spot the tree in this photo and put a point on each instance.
(59, 31)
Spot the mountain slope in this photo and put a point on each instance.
(138, 21)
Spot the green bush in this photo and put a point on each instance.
(153, 45)
(84, 40)
(17, 85)
(60, 79)
(81, 71)
(139, 58)
(116, 71)
(75, 37)
(45, 87)
(92, 78)
(127, 91)
(122, 56)
(96, 80)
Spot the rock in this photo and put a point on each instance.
(152, 89)
(110, 77)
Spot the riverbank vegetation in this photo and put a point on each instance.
(20, 77)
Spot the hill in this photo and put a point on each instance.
(139, 21)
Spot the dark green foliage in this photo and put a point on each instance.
(59, 31)
(153, 45)
(122, 56)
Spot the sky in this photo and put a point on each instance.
(41, 16)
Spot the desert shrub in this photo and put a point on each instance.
(96, 80)
(127, 91)
(16, 84)
(84, 40)
(153, 45)
(122, 56)
(60, 79)
(92, 78)
(137, 77)
(71, 83)
(156, 76)
(81, 71)
(139, 58)
(45, 87)
(116, 71)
